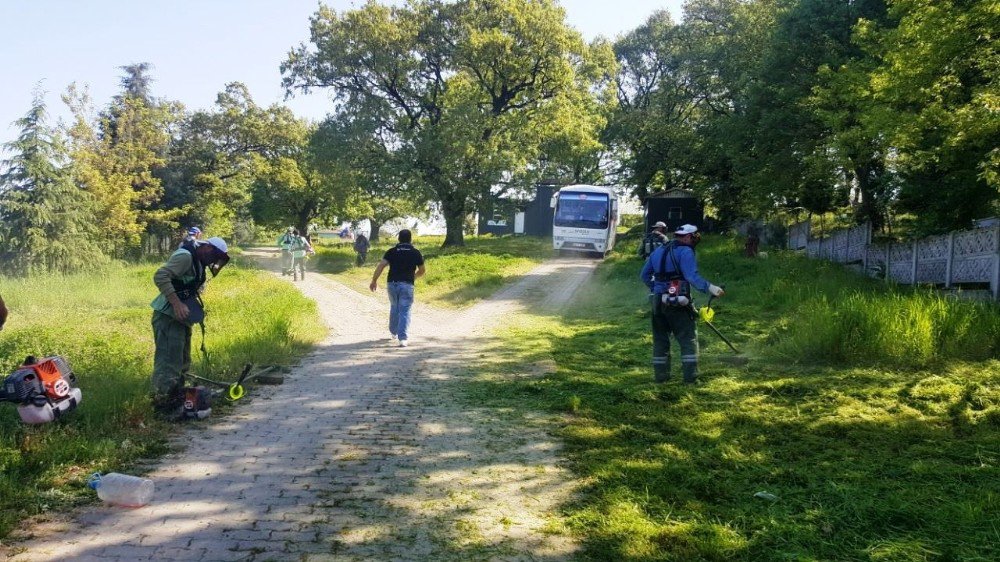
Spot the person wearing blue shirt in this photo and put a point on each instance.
(669, 273)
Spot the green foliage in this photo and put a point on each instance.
(356, 149)
(46, 221)
(866, 461)
(119, 161)
(469, 91)
(937, 88)
(100, 323)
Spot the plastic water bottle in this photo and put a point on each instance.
(122, 489)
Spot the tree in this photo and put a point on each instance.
(722, 45)
(46, 221)
(121, 159)
(218, 155)
(936, 90)
(657, 113)
(467, 88)
(353, 146)
(296, 187)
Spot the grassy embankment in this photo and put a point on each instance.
(455, 276)
(100, 322)
(871, 414)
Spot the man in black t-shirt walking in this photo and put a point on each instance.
(405, 265)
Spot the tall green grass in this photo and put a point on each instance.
(869, 456)
(101, 324)
(456, 276)
(903, 330)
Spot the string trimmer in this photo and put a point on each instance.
(236, 389)
(707, 314)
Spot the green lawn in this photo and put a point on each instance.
(871, 415)
(455, 276)
(101, 323)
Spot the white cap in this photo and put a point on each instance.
(686, 229)
(660, 224)
(219, 244)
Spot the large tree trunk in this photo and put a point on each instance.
(453, 207)
(302, 220)
(376, 226)
(869, 178)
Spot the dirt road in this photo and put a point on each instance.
(363, 454)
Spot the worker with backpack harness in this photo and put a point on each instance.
(657, 237)
(669, 273)
(175, 310)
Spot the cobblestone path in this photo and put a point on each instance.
(362, 454)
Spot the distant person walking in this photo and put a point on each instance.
(406, 264)
(361, 247)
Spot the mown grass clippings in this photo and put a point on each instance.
(101, 323)
(882, 447)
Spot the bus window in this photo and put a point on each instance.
(582, 210)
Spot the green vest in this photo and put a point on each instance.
(175, 265)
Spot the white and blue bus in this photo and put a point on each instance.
(585, 219)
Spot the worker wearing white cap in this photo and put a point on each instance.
(670, 272)
(175, 310)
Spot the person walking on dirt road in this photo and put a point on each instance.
(406, 264)
(175, 310)
(669, 273)
(361, 246)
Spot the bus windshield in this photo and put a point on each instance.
(582, 210)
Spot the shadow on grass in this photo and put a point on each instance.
(864, 463)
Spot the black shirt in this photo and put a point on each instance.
(403, 261)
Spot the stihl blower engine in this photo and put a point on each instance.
(43, 390)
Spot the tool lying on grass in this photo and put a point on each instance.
(236, 390)
(707, 314)
(43, 390)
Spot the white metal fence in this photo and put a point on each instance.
(957, 258)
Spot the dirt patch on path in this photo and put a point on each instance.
(365, 453)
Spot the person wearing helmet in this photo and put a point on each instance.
(657, 237)
(669, 273)
(288, 242)
(193, 233)
(175, 310)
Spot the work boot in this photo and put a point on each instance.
(661, 369)
(690, 371)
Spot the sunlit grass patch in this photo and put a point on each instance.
(875, 446)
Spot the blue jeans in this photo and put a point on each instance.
(400, 301)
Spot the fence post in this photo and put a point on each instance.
(913, 271)
(995, 282)
(950, 259)
(888, 262)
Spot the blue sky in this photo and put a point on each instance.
(195, 47)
